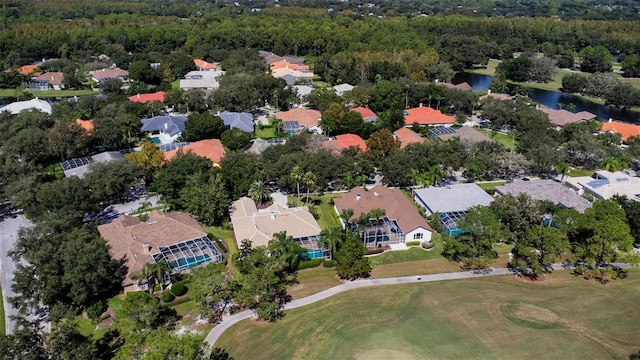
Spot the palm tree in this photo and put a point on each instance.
(296, 175)
(348, 181)
(571, 107)
(309, 180)
(625, 162)
(610, 164)
(377, 214)
(259, 192)
(561, 168)
(332, 237)
(413, 176)
(346, 215)
(160, 269)
(437, 173)
(438, 98)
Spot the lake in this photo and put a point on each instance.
(551, 99)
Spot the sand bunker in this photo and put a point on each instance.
(386, 354)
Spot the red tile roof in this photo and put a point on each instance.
(406, 137)
(87, 125)
(365, 112)
(212, 149)
(53, 78)
(345, 141)
(201, 64)
(29, 70)
(143, 98)
(287, 65)
(306, 118)
(427, 116)
(626, 130)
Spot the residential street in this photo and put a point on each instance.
(9, 227)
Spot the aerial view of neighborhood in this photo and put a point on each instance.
(319, 179)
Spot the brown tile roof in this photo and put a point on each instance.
(466, 134)
(626, 130)
(392, 200)
(306, 118)
(212, 149)
(114, 73)
(503, 97)
(127, 235)
(407, 136)
(563, 117)
(53, 78)
(365, 112)
(462, 86)
(425, 115)
(260, 226)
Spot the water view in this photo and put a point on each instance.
(551, 99)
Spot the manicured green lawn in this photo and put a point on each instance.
(87, 327)
(489, 186)
(580, 172)
(266, 133)
(413, 254)
(49, 93)
(3, 329)
(507, 140)
(328, 217)
(561, 317)
(230, 241)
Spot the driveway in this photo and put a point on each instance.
(9, 227)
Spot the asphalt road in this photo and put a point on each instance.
(9, 227)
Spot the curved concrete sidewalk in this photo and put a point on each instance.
(229, 321)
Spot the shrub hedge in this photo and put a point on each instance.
(96, 309)
(167, 297)
(412, 243)
(329, 263)
(307, 264)
(178, 289)
(428, 245)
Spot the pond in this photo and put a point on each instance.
(551, 99)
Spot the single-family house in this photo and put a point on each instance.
(297, 119)
(145, 98)
(81, 166)
(108, 74)
(202, 65)
(400, 223)
(284, 64)
(462, 86)
(451, 202)
(48, 81)
(292, 76)
(606, 184)
(343, 88)
(560, 118)
(302, 91)
(237, 120)
(626, 130)
(201, 79)
(33, 104)
(260, 225)
(424, 115)
(344, 141)
(270, 58)
(466, 134)
(30, 70)
(367, 114)
(173, 237)
(548, 190)
(166, 128)
(497, 96)
(211, 149)
(407, 136)
(87, 125)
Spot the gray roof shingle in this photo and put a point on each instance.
(547, 189)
